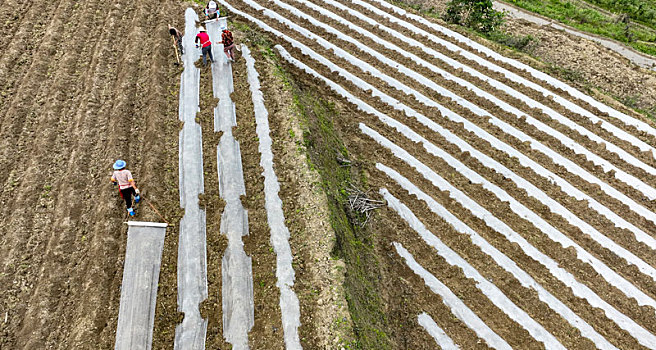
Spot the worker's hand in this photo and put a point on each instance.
(136, 190)
(196, 45)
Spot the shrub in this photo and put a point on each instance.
(476, 14)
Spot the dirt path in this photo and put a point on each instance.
(634, 56)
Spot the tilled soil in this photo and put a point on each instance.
(434, 114)
(85, 84)
(79, 90)
(463, 287)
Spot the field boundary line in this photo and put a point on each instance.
(289, 304)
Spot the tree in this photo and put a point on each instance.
(476, 14)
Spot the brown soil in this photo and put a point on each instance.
(346, 125)
(325, 321)
(79, 89)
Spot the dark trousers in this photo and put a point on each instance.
(127, 194)
(207, 50)
(178, 41)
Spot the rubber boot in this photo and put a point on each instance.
(131, 211)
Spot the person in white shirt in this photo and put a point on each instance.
(123, 178)
(211, 10)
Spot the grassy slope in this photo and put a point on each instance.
(589, 20)
(354, 244)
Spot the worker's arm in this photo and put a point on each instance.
(134, 185)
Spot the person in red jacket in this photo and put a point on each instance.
(205, 42)
(228, 43)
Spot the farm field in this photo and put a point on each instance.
(512, 211)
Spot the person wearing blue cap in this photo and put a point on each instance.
(127, 188)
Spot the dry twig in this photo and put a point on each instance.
(360, 203)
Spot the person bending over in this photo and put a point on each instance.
(127, 188)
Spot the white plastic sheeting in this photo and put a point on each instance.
(491, 291)
(136, 314)
(606, 272)
(507, 128)
(441, 338)
(618, 173)
(555, 83)
(236, 266)
(555, 303)
(580, 290)
(506, 263)
(532, 190)
(289, 305)
(467, 85)
(457, 307)
(192, 245)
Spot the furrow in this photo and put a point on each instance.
(642, 335)
(540, 76)
(608, 274)
(508, 93)
(236, 264)
(617, 281)
(525, 161)
(342, 92)
(561, 118)
(621, 175)
(289, 303)
(191, 332)
(493, 293)
(526, 280)
(458, 308)
(504, 126)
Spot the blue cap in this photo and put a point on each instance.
(119, 164)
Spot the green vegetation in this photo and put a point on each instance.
(587, 19)
(355, 245)
(641, 11)
(480, 17)
(475, 14)
(524, 43)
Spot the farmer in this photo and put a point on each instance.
(177, 35)
(211, 10)
(126, 185)
(228, 43)
(206, 44)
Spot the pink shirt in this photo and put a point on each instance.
(124, 178)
